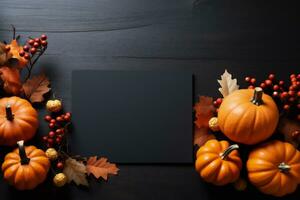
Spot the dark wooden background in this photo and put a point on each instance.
(206, 36)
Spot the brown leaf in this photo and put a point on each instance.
(75, 171)
(202, 135)
(291, 131)
(204, 111)
(11, 80)
(36, 87)
(4, 56)
(228, 85)
(100, 168)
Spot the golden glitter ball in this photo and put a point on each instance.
(213, 124)
(51, 153)
(60, 179)
(54, 105)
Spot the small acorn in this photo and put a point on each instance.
(54, 105)
(213, 124)
(52, 154)
(60, 179)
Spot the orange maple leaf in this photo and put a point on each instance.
(204, 111)
(101, 167)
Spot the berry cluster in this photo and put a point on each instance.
(33, 46)
(217, 103)
(57, 127)
(287, 96)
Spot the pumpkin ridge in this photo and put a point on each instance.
(200, 159)
(213, 176)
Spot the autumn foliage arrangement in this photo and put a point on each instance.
(263, 117)
(28, 166)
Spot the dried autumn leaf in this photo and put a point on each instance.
(4, 55)
(204, 111)
(11, 80)
(228, 85)
(15, 48)
(291, 131)
(101, 167)
(36, 87)
(75, 171)
(202, 135)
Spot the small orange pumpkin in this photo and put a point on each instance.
(25, 167)
(274, 168)
(18, 120)
(247, 118)
(218, 163)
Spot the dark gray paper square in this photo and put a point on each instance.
(133, 116)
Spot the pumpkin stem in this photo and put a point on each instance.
(228, 151)
(24, 159)
(284, 167)
(9, 114)
(257, 97)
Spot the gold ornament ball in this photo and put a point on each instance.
(60, 179)
(213, 124)
(54, 105)
(51, 153)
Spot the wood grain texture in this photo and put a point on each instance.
(203, 36)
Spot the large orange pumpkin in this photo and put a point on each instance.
(218, 163)
(248, 116)
(25, 167)
(18, 120)
(274, 168)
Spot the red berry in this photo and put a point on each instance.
(33, 50)
(253, 80)
(51, 134)
(284, 95)
(291, 99)
(37, 40)
(30, 42)
(292, 76)
(219, 101)
(59, 119)
(293, 79)
(27, 56)
(286, 107)
(26, 48)
(281, 83)
(291, 93)
(247, 79)
(275, 87)
(58, 140)
(268, 82)
(275, 94)
(250, 87)
(298, 93)
(44, 43)
(67, 118)
(60, 165)
(52, 121)
(68, 113)
(47, 118)
(36, 45)
(22, 53)
(271, 76)
(298, 76)
(58, 131)
(262, 85)
(45, 138)
(51, 125)
(43, 37)
(50, 141)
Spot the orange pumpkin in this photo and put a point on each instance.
(248, 116)
(274, 168)
(18, 120)
(218, 163)
(25, 167)
(14, 50)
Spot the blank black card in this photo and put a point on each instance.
(133, 116)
